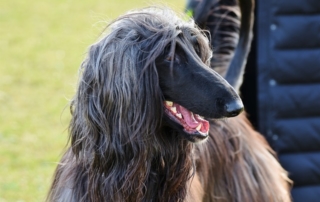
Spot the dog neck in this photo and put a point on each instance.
(170, 169)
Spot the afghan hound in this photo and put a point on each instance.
(151, 121)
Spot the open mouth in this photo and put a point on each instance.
(193, 124)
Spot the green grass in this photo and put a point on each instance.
(42, 44)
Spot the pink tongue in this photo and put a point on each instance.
(188, 117)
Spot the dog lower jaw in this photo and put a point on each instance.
(196, 137)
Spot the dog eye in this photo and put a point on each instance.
(169, 58)
(174, 58)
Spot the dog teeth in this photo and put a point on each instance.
(199, 127)
(169, 103)
(200, 117)
(173, 109)
(179, 115)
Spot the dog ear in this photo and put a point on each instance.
(118, 90)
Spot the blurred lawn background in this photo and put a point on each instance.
(42, 43)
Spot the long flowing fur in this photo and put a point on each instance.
(121, 149)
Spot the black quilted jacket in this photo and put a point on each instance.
(286, 64)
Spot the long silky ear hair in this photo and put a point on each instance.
(117, 109)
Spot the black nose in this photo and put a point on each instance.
(233, 108)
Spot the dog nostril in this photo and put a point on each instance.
(234, 108)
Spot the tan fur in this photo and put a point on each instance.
(195, 190)
(236, 164)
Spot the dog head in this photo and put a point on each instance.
(193, 91)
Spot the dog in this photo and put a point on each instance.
(151, 121)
